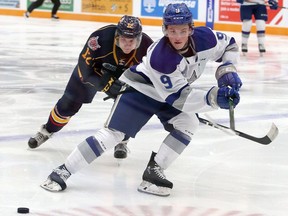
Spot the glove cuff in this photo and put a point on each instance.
(224, 69)
(108, 85)
(211, 97)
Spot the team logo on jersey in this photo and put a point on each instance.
(122, 62)
(93, 43)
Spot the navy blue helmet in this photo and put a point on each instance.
(129, 26)
(177, 14)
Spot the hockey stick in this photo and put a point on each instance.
(269, 5)
(267, 139)
(231, 114)
(278, 6)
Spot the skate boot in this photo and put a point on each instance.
(54, 17)
(56, 180)
(261, 48)
(120, 151)
(244, 48)
(26, 14)
(154, 181)
(42, 136)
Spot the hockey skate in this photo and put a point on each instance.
(261, 48)
(42, 136)
(56, 180)
(120, 151)
(154, 181)
(244, 48)
(26, 14)
(54, 17)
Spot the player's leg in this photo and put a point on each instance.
(33, 6)
(182, 127)
(260, 20)
(136, 110)
(67, 106)
(55, 8)
(126, 117)
(246, 18)
(84, 154)
(58, 118)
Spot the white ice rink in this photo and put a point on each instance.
(217, 175)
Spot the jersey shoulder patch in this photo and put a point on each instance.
(105, 34)
(204, 38)
(164, 58)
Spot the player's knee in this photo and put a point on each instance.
(67, 107)
(186, 124)
(109, 137)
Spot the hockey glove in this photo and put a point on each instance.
(240, 1)
(220, 97)
(116, 71)
(110, 85)
(273, 4)
(226, 75)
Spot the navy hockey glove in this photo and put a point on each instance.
(240, 1)
(116, 71)
(226, 75)
(114, 89)
(273, 4)
(220, 97)
(110, 85)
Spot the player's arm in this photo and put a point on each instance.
(227, 52)
(89, 68)
(184, 97)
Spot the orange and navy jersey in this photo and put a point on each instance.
(101, 48)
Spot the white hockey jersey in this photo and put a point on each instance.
(166, 76)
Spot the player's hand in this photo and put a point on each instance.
(114, 89)
(220, 97)
(273, 4)
(116, 71)
(109, 84)
(226, 75)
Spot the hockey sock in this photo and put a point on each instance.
(173, 145)
(260, 25)
(246, 28)
(91, 148)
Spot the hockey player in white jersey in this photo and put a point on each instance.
(162, 85)
(257, 9)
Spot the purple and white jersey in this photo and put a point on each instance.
(166, 76)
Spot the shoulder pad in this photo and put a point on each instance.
(164, 58)
(204, 38)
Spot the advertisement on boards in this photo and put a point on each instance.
(66, 5)
(155, 8)
(108, 6)
(210, 14)
(229, 10)
(10, 3)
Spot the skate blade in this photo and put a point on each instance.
(149, 188)
(51, 185)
